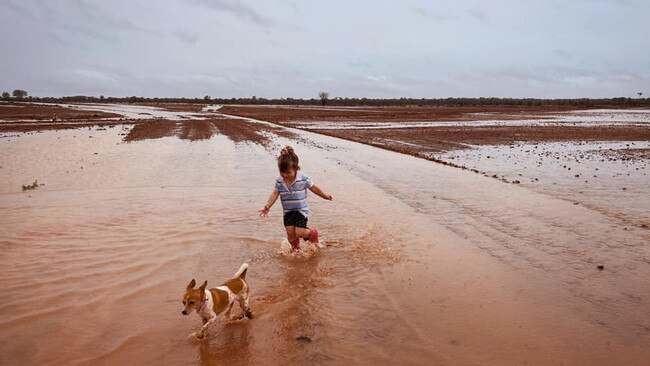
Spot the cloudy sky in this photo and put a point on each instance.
(292, 48)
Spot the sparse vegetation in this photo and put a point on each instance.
(323, 96)
(29, 187)
(622, 102)
(19, 94)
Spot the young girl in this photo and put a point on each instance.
(291, 186)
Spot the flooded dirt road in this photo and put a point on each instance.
(425, 264)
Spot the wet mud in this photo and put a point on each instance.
(42, 112)
(280, 114)
(151, 130)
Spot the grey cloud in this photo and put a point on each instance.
(99, 17)
(187, 36)
(75, 17)
(562, 53)
(18, 8)
(359, 64)
(82, 81)
(479, 14)
(439, 18)
(236, 8)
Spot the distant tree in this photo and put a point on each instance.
(101, 97)
(207, 98)
(5, 95)
(20, 94)
(323, 97)
(640, 94)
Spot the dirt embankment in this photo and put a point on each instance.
(24, 117)
(389, 114)
(24, 111)
(235, 129)
(440, 139)
(444, 138)
(27, 117)
(425, 141)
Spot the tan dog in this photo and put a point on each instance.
(210, 303)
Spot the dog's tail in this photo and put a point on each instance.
(241, 273)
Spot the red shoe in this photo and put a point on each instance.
(313, 236)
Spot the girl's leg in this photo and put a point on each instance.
(291, 233)
(303, 233)
(293, 239)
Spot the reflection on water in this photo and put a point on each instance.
(425, 264)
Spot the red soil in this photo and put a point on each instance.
(387, 114)
(24, 111)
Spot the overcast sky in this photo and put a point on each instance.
(276, 48)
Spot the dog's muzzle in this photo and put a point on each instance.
(184, 312)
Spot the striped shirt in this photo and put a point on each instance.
(294, 198)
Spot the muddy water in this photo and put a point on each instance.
(425, 264)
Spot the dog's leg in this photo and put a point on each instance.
(245, 306)
(201, 333)
(227, 315)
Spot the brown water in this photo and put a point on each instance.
(426, 264)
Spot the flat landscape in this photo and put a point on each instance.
(479, 235)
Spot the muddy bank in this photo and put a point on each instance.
(388, 114)
(24, 127)
(39, 112)
(236, 130)
(438, 139)
(151, 130)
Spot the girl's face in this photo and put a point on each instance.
(288, 174)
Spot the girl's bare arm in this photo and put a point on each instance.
(320, 192)
(272, 198)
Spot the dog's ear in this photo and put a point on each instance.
(203, 286)
(191, 284)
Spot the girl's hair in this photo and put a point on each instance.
(288, 159)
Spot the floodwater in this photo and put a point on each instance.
(134, 111)
(610, 177)
(586, 118)
(425, 264)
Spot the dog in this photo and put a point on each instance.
(210, 303)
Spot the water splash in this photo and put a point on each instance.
(307, 250)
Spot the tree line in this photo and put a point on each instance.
(323, 98)
(17, 94)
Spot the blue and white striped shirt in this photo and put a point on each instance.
(294, 198)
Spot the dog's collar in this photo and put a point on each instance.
(200, 308)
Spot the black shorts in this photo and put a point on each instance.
(295, 218)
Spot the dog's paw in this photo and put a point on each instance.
(247, 315)
(197, 335)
